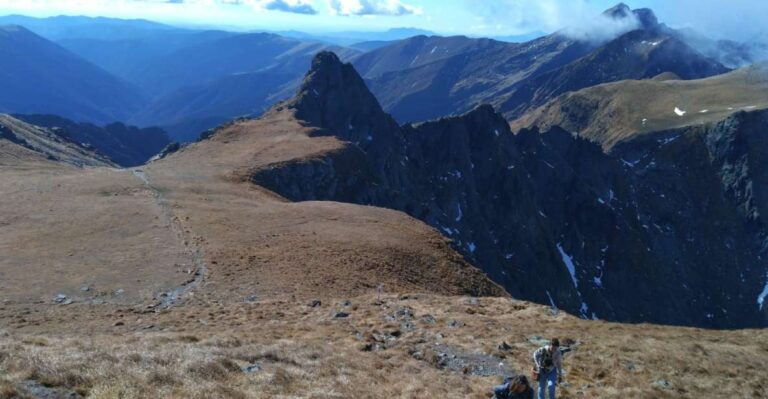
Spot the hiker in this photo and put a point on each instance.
(513, 388)
(548, 368)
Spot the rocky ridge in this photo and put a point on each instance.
(552, 217)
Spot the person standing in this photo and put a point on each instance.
(548, 363)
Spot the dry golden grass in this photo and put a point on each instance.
(198, 350)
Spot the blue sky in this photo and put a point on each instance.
(732, 18)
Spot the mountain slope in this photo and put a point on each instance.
(515, 77)
(124, 145)
(38, 76)
(414, 52)
(202, 62)
(23, 142)
(191, 110)
(611, 113)
(639, 54)
(552, 217)
(127, 57)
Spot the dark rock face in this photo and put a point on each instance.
(125, 145)
(666, 229)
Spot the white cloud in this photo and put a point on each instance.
(292, 6)
(579, 19)
(151, 7)
(371, 7)
(601, 28)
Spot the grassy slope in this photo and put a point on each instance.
(614, 112)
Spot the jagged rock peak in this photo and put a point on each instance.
(618, 11)
(333, 96)
(645, 16)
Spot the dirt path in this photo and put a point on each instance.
(195, 251)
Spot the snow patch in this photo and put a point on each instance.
(433, 50)
(459, 213)
(496, 131)
(472, 247)
(584, 310)
(679, 111)
(551, 301)
(761, 297)
(568, 261)
(703, 111)
(598, 281)
(630, 164)
(508, 256)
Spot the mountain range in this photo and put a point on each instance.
(188, 81)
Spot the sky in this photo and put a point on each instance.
(737, 19)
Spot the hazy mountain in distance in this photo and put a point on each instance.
(127, 57)
(188, 111)
(731, 53)
(80, 27)
(346, 38)
(200, 63)
(38, 76)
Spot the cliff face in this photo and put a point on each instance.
(663, 229)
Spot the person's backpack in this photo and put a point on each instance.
(545, 359)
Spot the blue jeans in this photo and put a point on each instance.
(547, 381)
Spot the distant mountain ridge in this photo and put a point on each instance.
(517, 77)
(39, 76)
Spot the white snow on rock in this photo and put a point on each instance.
(551, 301)
(584, 310)
(568, 261)
(460, 214)
(679, 111)
(496, 131)
(598, 281)
(433, 50)
(761, 297)
(472, 247)
(703, 111)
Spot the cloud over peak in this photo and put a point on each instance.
(294, 6)
(371, 7)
